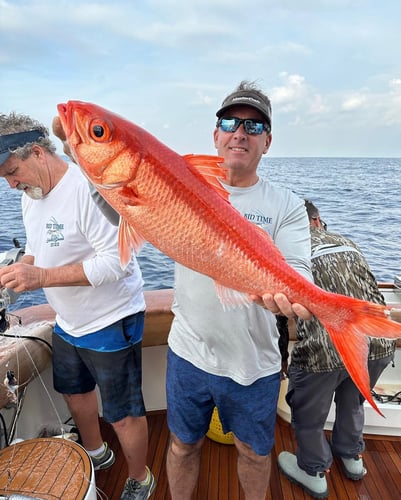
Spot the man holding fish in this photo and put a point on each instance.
(225, 357)
(71, 252)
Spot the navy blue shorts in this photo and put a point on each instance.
(247, 411)
(118, 375)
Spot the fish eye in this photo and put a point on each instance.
(100, 130)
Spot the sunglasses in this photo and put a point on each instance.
(251, 126)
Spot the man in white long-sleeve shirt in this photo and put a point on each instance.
(72, 253)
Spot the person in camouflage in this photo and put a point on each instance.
(316, 372)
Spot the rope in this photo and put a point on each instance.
(387, 398)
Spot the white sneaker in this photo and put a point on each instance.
(354, 468)
(315, 486)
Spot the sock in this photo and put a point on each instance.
(147, 478)
(95, 453)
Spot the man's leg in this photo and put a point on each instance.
(347, 437)
(310, 396)
(253, 471)
(182, 467)
(85, 413)
(132, 433)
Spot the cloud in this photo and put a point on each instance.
(354, 102)
(328, 66)
(288, 95)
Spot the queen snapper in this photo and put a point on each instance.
(178, 204)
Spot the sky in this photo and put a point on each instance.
(332, 68)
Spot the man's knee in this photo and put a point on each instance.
(247, 455)
(181, 449)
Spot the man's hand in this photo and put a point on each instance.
(279, 304)
(22, 277)
(58, 131)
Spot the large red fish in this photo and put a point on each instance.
(178, 204)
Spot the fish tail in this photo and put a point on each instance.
(349, 325)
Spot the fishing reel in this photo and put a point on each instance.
(8, 296)
(5, 301)
(4, 321)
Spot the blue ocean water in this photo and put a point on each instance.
(357, 197)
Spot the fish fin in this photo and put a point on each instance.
(211, 169)
(128, 239)
(353, 349)
(130, 196)
(354, 320)
(230, 298)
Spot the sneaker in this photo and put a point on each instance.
(134, 490)
(105, 460)
(315, 486)
(354, 468)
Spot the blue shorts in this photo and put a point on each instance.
(118, 374)
(247, 411)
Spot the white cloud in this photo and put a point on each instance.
(354, 101)
(318, 105)
(289, 94)
(395, 83)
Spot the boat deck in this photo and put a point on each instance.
(218, 478)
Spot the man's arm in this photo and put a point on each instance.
(23, 276)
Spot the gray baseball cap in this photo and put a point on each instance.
(10, 142)
(247, 98)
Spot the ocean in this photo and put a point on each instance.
(357, 197)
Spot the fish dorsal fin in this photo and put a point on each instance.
(211, 169)
(128, 238)
(230, 298)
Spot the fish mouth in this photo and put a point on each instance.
(71, 127)
(67, 122)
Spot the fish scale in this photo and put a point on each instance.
(177, 204)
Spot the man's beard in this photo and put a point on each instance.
(34, 192)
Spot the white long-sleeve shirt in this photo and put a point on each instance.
(67, 227)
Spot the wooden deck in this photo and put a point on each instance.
(218, 478)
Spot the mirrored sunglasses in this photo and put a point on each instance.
(251, 126)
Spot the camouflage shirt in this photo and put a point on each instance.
(337, 266)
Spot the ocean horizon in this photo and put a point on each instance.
(358, 197)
